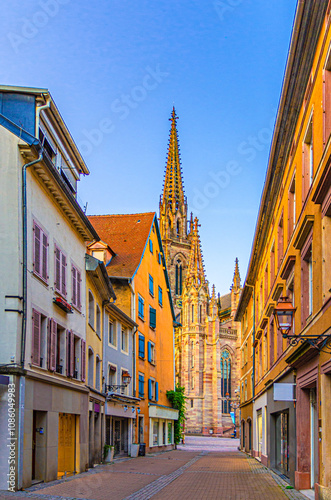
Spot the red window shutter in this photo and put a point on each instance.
(49, 322)
(44, 269)
(83, 363)
(63, 274)
(53, 342)
(36, 328)
(72, 353)
(36, 249)
(57, 269)
(74, 286)
(78, 281)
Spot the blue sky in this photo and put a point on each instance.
(116, 67)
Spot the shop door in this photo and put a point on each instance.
(67, 444)
(282, 443)
(117, 437)
(164, 433)
(313, 439)
(141, 430)
(39, 433)
(259, 433)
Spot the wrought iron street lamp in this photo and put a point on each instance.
(284, 316)
(126, 378)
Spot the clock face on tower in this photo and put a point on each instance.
(179, 303)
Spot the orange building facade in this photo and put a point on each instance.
(286, 426)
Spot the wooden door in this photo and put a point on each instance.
(67, 444)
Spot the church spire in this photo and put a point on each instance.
(195, 272)
(173, 189)
(236, 277)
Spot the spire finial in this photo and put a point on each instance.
(236, 283)
(173, 188)
(195, 271)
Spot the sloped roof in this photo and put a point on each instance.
(225, 301)
(127, 235)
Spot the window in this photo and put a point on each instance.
(179, 277)
(192, 309)
(76, 287)
(169, 432)
(178, 228)
(151, 353)
(111, 375)
(160, 297)
(152, 317)
(98, 330)
(153, 390)
(266, 290)
(39, 336)
(112, 333)
(141, 346)
(90, 378)
(151, 285)
(155, 432)
(91, 309)
(272, 265)
(327, 98)
(83, 363)
(76, 356)
(306, 281)
(271, 341)
(150, 246)
(97, 373)
(60, 271)
(308, 161)
(225, 380)
(140, 307)
(124, 340)
(192, 354)
(70, 353)
(141, 381)
(280, 240)
(40, 252)
(159, 258)
(291, 209)
(57, 348)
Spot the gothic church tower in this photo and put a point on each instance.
(206, 340)
(173, 219)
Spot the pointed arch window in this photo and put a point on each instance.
(225, 380)
(178, 228)
(179, 277)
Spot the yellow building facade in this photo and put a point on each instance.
(286, 382)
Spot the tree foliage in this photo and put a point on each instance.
(177, 400)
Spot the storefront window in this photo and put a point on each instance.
(155, 432)
(169, 432)
(282, 443)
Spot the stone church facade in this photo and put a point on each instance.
(207, 340)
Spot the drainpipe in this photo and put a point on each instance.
(38, 111)
(24, 244)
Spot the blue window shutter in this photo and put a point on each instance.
(156, 391)
(149, 352)
(152, 317)
(149, 389)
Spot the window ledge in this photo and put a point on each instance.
(40, 279)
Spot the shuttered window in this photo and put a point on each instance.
(36, 334)
(152, 317)
(40, 252)
(60, 271)
(83, 364)
(70, 353)
(52, 345)
(76, 287)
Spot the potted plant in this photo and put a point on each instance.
(108, 453)
(134, 450)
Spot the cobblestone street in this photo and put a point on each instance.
(203, 468)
